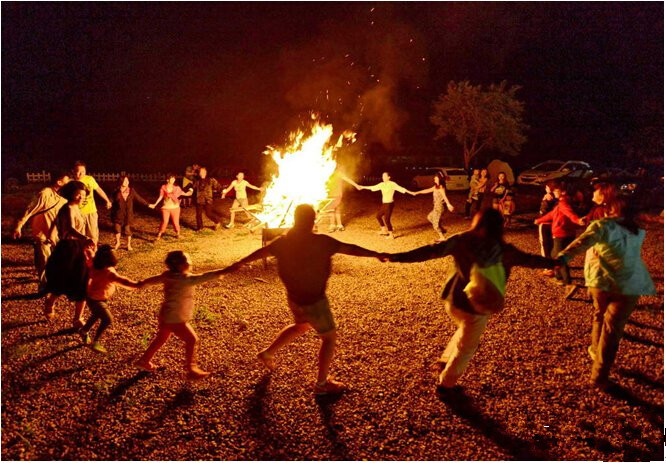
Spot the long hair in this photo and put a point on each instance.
(121, 179)
(442, 181)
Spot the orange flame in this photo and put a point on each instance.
(304, 169)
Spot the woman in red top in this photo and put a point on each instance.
(171, 193)
(564, 222)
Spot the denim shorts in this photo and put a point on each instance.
(318, 315)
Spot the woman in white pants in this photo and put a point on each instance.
(483, 246)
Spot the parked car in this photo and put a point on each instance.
(550, 170)
(455, 178)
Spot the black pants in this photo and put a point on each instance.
(384, 216)
(558, 245)
(470, 202)
(210, 213)
(546, 239)
(99, 311)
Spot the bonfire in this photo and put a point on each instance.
(304, 168)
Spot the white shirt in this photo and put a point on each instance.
(178, 305)
(388, 189)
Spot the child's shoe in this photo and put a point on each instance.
(267, 360)
(85, 337)
(331, 386)
(97, 347)
(145, 366)
(196, 373)
(340, 228)
(383, 231)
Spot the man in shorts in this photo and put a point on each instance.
(304, 266)
(240, 185)
(88, 207)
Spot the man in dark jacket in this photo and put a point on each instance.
(204, 187)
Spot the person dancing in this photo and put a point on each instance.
(41, 212)
(240, 186)
(122, 210)
(171, 194)
(481, 247)
(66, 270)
(615, 276)
(304, 266)
(439, 198)
(388, 189)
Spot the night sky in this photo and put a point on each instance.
(149, 87)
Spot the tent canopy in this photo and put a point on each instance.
(497, 166)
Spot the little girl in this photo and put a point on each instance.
(101, 286)
(177, 310)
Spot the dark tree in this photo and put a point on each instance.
(481, 119)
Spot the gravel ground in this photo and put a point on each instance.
(525, 393)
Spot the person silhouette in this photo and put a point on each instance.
(304, 266)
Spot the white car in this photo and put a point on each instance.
(550, 170)
(455, 178)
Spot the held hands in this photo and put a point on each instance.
(108, 205)
(17, 234)
(152, 206)
(383, 257)
(450, 207)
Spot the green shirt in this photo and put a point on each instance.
(614, 263)
(88, 205)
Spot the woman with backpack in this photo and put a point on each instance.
(476, 289)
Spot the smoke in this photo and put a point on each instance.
(356, 72)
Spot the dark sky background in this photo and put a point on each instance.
(151, 87)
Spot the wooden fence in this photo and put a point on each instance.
(102, 177)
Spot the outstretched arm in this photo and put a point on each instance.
(152, 206)
(260, 253)
(430, 251)
(228, 189)
(425, 192)
(350, 181)
(126, 282)
(592, 235)
(515, 256)
(154, 280)
(100, 192)
(354, 250)
(36, 205)
(249, 185)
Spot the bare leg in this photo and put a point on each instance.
(78, 313)
(326, 355)
(49, 313)
(129, 243)
(117, 245)
(288, 334)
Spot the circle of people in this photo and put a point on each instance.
(70, 263)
